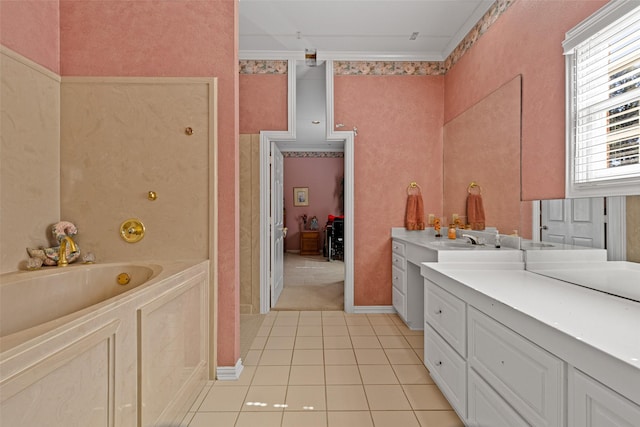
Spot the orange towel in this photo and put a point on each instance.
(475, 212)
(414, 217)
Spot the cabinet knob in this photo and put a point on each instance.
(439, 363)
(438, 311)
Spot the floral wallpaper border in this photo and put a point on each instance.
(256, 66)
(313, 154)
(393, 68)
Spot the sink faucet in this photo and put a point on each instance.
(62, 254)
(473, 239)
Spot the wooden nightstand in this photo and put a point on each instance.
(309, 242)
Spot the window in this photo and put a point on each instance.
(603, 102)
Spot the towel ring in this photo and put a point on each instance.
(474, 185)
(414, 185)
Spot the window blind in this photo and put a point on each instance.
(604, 74)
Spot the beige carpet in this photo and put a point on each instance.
(311, 283)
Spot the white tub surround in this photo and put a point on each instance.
(137, 358)
(523, 342)
(411, 248)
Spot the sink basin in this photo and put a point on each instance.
(453, 244)
(530, 245)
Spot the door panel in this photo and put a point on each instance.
(277, 220)
(574, 221)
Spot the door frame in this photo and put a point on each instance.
(616, 227)
(266, 138)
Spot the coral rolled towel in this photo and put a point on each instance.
(475, 212)
(414, 218)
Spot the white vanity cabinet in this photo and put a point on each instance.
(408, 288)
(531, 350)
(399, 278)
(445, 344)
(592, 404)
(490, 375)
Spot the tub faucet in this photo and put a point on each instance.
(473, 239)
(62, 254)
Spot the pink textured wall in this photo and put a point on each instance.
(322, 176)
(173, 38)
(263, 102)
(399, 121)
(31, 28)
(526, 39)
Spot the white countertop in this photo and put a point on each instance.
(462, 252)
(603, 322)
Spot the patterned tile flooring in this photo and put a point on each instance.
(329, 369)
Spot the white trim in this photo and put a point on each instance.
(374, 309)
(604, 16)
(229, 373)
(617, 228)
(342, 56)
(535, 221)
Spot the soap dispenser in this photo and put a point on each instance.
(497, 239)
(452, 232)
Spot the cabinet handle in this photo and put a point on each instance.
(438, 311)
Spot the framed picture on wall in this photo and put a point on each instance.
(300, 196)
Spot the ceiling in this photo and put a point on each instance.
(356, 29)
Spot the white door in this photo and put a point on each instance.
(573, 221)
(277, 219)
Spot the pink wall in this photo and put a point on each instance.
(263, 102)
(31, 28)
(173, 38)
(525, 40)
(399, 121)
(322, 176)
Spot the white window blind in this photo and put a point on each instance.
(603, 77)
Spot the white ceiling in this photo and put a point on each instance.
(356, 29)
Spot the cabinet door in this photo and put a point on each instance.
(592, 404)
(399, 303)
(529, 378)
(487, 408)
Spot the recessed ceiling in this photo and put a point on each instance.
(356, 29)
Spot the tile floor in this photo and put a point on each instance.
(329, 369)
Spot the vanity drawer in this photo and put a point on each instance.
(529, 378)
(399, 303)
(487, 408)
(399, 279)
(398, 247)
(399, 261)
(447, 369)
(446, 313)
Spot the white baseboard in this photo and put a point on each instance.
(229, 373)
(374, 309)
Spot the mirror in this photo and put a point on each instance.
(482, 145)
(563, 208)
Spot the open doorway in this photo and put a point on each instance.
(272, 142)
(314, 268)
